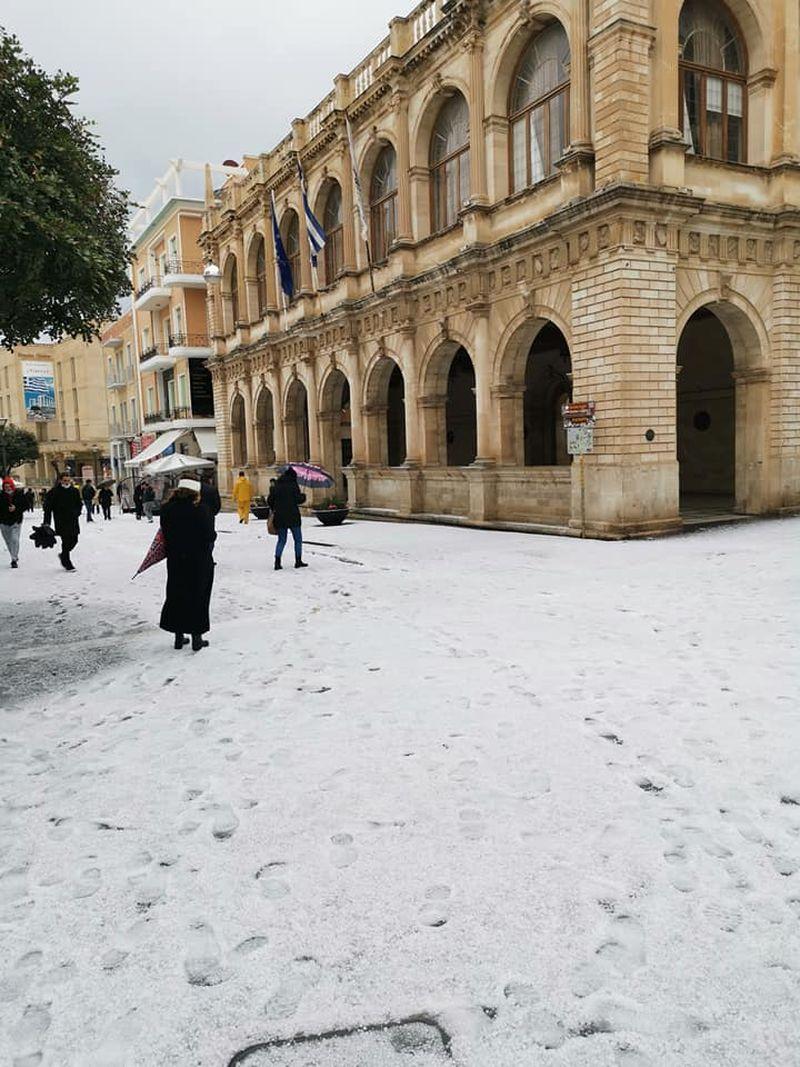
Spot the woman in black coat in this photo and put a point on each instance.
(63, 506)
(188, 536)
(284, 501)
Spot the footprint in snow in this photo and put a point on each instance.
(273, 882)
(203, 961)
(27, 1037)
(225, 822)
(435, 911)
(13, 885)
(16, 982)
(303, 974)
(471, 825)
(343, 852)
(623, 951)
(88, 883)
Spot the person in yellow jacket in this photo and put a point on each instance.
(243, 494)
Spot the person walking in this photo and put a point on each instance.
(30, 500)
(105, 496)
(148, 500)
(13, 502)
(242, 495)
(88, 494)
(138, 500)
(284, 501)
(187, 529)
(63, 506)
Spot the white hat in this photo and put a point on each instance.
(189, 483)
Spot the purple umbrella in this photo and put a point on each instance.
(310, 476)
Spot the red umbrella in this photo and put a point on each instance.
(310, 475)
(155, 553)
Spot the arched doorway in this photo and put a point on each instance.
(335, 423)
(296, 422)
(396, 419)
(548, 386)
(706, 414)
(238, 432)
(461, 425)
(265, 429)
(385, 415)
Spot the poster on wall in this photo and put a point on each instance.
(39, 388)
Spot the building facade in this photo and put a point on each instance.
(587, 200)
(70, 421)
(122, 393)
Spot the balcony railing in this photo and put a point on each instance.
(168, 414)
(189, 340)
(153, 350)
(155, 280)
(176, 265)
(121, 429)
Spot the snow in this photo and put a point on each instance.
(519, 800)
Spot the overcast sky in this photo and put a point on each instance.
(205, 80)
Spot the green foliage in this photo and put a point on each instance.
(17, 446)
(330, 502)
(63, 243)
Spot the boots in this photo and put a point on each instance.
(198, 642)
(278, 565)
(299, 563)
(180, 641)
(66, 562)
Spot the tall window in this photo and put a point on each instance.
(383, 203)
(334, 234)
(449, 162)
(292, 245)
(713, 78)
(539, 108)
(233, 287)
(261, 277)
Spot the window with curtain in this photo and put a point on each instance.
(334, 234)
(261, 277)
(539, 108)
(291, 243)
(449, 163)
(383, 203)
(713, 82)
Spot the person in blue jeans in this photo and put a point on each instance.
(284, 501)
(88, 494)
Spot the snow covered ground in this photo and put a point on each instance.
(540, 796)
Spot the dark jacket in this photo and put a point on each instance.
(188, 536)
(285, 499)
(105, 496)
(19, 499)
(62, 506)
(148, 494)
(210, 499)
(88, 493)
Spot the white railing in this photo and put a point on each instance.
(426, 18)
(318, 116)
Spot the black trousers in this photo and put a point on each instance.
(106, 511)
(68, 542)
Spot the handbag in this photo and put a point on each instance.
(271, 524)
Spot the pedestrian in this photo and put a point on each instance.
(187, 529)
(88, 494)
(63, 505)
(284, 501)
(138, 500)
(148, 500)
(210, 499)
(30, 500)
(105, 496)
(13, 502)
(42, 497)
(243, 494)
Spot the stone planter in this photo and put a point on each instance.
(332, 516)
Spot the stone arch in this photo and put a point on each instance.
(509, 51)
(331, 260)
(517, 338)
(295, 420)
(384, 407)
(265, 426)
(231, 293)
(449, 409)
(256, 273)
(238, 430)
(722, 402)
(335, 422)
(420, 144)
(290, 235)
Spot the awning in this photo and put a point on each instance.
(207, 440)
(159, 446)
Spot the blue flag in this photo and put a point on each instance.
(284, 268)
(316, 234)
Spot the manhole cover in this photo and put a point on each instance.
(419, 1041)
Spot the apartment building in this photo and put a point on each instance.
(567, 201)
(122, 393)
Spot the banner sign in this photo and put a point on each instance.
(39, 388)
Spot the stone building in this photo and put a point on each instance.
(73, 430)
(596, 200)
(122, 392)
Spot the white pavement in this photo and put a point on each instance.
(543, 792)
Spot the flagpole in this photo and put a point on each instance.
(359, 199)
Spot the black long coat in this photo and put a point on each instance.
(63, 505)
(20, 502)
(188, 535)
(285, 499)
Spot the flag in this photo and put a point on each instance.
(357, 182)
(316, 234)
(155, 553)
(284, 268)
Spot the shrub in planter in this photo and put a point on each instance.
(332, 511)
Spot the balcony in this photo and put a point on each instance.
(176, 418)
(184, 273)
(111, 342)
(156, 357)
(152, 296)
(189, 346)
(119, 430)
(116, 382)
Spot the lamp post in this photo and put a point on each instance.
(3, 424)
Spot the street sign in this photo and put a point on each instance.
(580, 440)
(579, 414)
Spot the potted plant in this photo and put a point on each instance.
(259, 508)
(332, 511)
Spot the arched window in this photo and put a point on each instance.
(261, 277)
(383, 203)
(292, 245)
(713, 79)
(334, 234)
(539, 108)
(233, 291)
(238, 432)
(449, 163)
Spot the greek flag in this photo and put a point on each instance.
(284, 267)
(316, 234)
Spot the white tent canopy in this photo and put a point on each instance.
(177, 462)
(160, 445)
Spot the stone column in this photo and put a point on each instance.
(477, 116)
(784, 421)
(241, 273)
(579, 105)
(314, 443)
(357, 429)
(275, 382)
(273, 299)
(405, 231)
(482, 360)
(408, 365)
(787, 131)
(349, 217)
(306, 282)
(667, 146)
